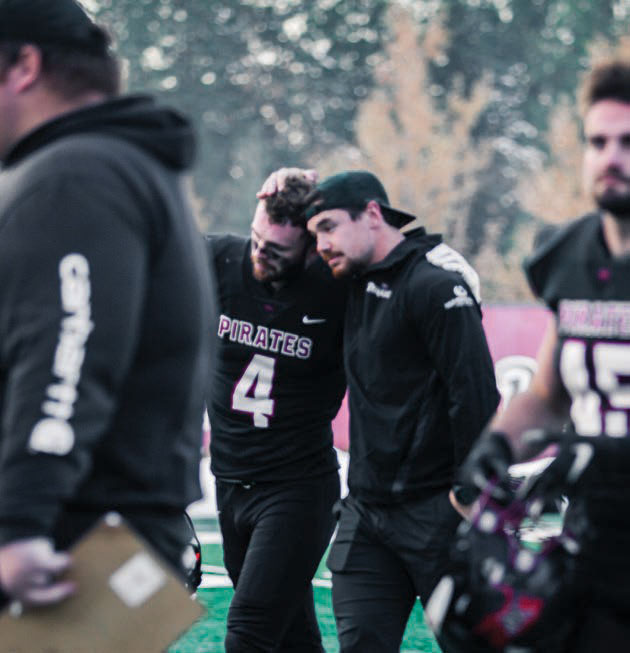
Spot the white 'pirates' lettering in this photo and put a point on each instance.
(245, 333)
(261, 337)
(594, 319)
(276, 340)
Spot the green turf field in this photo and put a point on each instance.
(207, 635)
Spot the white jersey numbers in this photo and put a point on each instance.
(253, 391)
(600, 404)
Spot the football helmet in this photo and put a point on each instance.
(191, 558)
(502, 594)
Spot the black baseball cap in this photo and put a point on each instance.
(55, 22)
(352, 190)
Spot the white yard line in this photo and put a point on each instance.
(212, 581)
(206, 537)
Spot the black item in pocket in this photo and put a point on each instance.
(347, 528)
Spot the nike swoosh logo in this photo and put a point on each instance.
(313, 320)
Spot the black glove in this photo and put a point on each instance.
(578, 459)
(488, 460)
(465, 494)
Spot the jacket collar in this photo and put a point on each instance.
(416, 241)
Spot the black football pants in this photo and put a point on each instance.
(274, 536)
(602, 617)
(382, 558)
(601, 629)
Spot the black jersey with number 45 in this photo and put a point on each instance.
(277, 380)
(589, 292)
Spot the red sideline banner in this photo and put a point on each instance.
(515, 330)
(514, 333)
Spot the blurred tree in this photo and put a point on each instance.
(552, 192)
(277, 82)
(537, 50)
(264, 79)
(426, 157)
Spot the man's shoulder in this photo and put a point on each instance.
(78, 148)
(64, 168)
(554, 239)
(438, 286)
(562, 249)
(92, 158)
(222, 246)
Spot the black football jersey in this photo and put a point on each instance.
(277, 379)
(589, 292)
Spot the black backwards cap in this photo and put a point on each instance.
(54, 22)
(352, 190)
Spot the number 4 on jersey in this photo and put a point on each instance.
(252, 392)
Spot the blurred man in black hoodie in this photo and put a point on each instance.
(101, 379)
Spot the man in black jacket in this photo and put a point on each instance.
(101, 378)
(421, 386)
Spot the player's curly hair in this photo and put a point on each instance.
(288, 205)
(609, 80)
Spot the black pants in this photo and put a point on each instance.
(602, 617)
(601, 629)
(274, 536)
(382, 558)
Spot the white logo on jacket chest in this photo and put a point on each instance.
(382, 290)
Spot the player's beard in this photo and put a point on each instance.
(347, 267)
(615, 203)
(284, 272)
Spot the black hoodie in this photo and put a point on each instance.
(104, 307)
(420, 378)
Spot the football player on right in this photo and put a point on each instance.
(583, 274)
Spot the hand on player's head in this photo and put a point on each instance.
(29, 572)
(275, 182)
